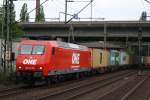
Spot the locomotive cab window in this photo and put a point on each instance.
(26, 49)
(38, 49)
(30, 49)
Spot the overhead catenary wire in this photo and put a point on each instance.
(79, 11)
(48, 0)
(40, 6)
(73, 1)
(71, 27)
(142, 2)
(61, 5)
(64, 5)
(36, 8)
(147, 1)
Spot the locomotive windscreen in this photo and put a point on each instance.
(31, 49)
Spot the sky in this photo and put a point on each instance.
(107, 9)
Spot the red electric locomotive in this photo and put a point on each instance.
(49, 58)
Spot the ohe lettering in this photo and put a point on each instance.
(30, 61)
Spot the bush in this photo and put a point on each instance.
(7, 78)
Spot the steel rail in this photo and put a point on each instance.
(81, 86)
(128, 94)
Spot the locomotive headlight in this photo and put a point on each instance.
(19, 67)
(41, 68)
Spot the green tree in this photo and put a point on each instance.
(15, 30)
(0, 13)
(41, 16)
(13, 13)
(24, 16)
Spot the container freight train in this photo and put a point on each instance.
(51, 59)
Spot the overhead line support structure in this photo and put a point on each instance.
(6, 36)
(71, 34)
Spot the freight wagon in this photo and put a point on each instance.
(114, 59)
(124, 59)
(99, 59)
(146, 61)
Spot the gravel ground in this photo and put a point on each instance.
(113, 91)
(35, 93)
(99, 93)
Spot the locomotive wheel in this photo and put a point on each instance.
(55, 79)
(77, 76)
(48, 80)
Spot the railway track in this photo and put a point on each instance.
(57, 90)
(139, 91)
(18, 90)
(73, 92)
(134, 89)
(12, 91)
(137, 88)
